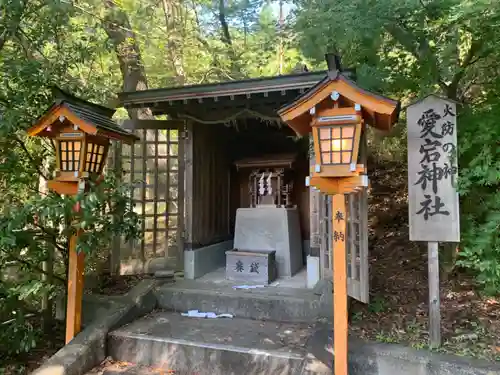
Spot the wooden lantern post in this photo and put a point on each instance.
(81, 132)
(336, 111)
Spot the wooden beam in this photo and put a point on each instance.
(181, 197)
(76, 268)
(151, 124)
(63, 188)
(333, 186)
(188, 184)
(340, 332)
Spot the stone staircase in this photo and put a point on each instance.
(274, 331)
(216, 346)
(272, 303)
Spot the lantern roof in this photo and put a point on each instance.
(91, 118)
(378, 111)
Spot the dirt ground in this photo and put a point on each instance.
(115, 285)
(398, 284)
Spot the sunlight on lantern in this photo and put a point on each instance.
(336, 143)
(340, 144)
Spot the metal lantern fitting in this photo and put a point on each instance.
(336, 134)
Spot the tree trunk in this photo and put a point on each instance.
(171, 10)
(117, 26)
(235, 66)
(226, 36)
(48, 268)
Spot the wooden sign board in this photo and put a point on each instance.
(433, 170)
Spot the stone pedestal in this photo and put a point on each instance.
(271, 228)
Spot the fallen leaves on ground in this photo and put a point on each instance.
(110, 366)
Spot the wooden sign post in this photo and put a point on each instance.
(432, 194)
(339, 188)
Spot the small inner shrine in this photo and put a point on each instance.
(267, 233)
(268, 240)
(270, 182)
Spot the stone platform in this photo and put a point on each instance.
(271, 228)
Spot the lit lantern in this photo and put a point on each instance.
(79, 155)
(82, 133)
(336, 133)
(335, 111)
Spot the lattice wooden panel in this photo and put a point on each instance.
(152, 165)
(357, 243)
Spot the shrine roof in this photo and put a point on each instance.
(221, 89)
(379, 111)
(264, 95)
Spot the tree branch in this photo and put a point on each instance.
(226, 36)
(420, 49)
(53, 236)
(11, 29)
(30, 157)
(32, 266)
(475, 47)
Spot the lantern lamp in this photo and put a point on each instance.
(82, 133)
(336, 134)
(334, 111)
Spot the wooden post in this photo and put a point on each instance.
(75, 290)
(434, 298)
(340, 330)
(76, 268)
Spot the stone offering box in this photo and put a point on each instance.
(251, 266)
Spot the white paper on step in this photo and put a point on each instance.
(248, 286)
(207, 315)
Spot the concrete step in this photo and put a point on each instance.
(270, 303)
(217, 346)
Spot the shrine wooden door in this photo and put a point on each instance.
(357, 243)
(155, 168)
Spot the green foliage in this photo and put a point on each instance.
(17, 335)
(479, 156)
(403, 48)
(43, 224)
